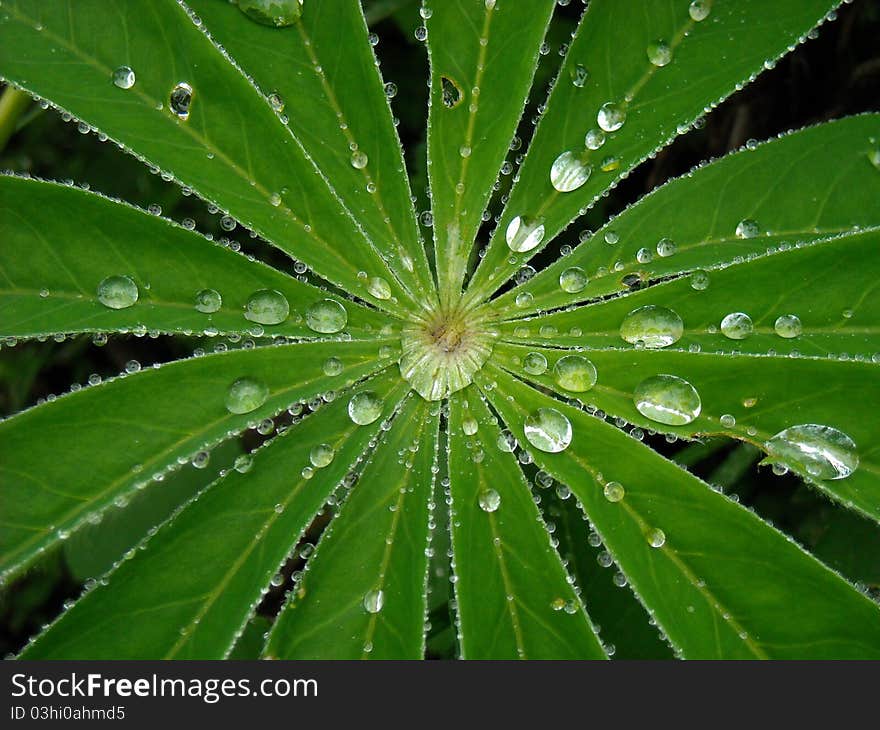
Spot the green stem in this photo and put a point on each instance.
(12, 105)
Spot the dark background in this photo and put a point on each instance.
(836, 74)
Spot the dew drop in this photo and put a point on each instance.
(747, 228)
(243, 463)
(524, 234)
(614, 491)
(332, 366)
(359, 160)
(823, 452)
(124, 77)
(267, 306)
(659, 53)
(117, 292)
(656, 537)
(574, 373)
(611, 116)
(276, 101)
(699, 280)
(274, 13)
(379, 288)
(322, 455)
(594, 139)
(667, 399)
(666, 247)
(727, 420)
(652, 327)
(535, 363)
(569, 172)
(737, 326)
(365, 408)
(180, 100)
(326, 316)
(573, 280)
(524, 299)
(788, 326)
(469, 426)
(208, 301)
(373, 601)
(579, 75)
(699, 9)
(506, 442)
(489, 500)
(246, 395)
(548, 430)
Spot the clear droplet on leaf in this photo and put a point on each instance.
(611, 116)
(737, 326)
(373, 601)
(569, 172)
(788, 326)
(208, 301)
(574, 373)
(667, 399)
(117, 292)
(823, 452)
(246, 395)
(659, 53)
(535, 363)
(573, 280)
(524, 234)
(548, 430)
(180, 100)
(364, 408)
(326, 316)
(267, 306)
(274, 13)
(652, 327)
(747, 228)
(124, 77)
(489, 500)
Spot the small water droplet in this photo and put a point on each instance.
(364, 408)
(611, 116)
(243, 463)
(379, 288)
(737, 326)
(659, 53)
(727, 420)
(699, 9)
(373, 601)
(700, 280)
(246, 395)
(667, 399)
(823, 452)
(332, 366)
(117, 292)
(788, 326)
(267, 306)
(124, 77)
(450, 93)
(569, 172)
(548, 430)
(594, 139)
(579, 75)
(652, 327)
(180, 100)
(574, 373)
(322, 455)
(359, 160)
(524, 299)
(535, 363)
(326, 316)
(666, 247)
(656, 537)
(611, 237)
(614, 491)
(274, 13)
(469, 425)
(573, 280)
(489, 500)
(524, 234)
(208, 301)
(747, 228)
(276, 101)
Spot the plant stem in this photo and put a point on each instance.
(12, 105)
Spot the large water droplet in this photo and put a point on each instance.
(267, 306)
(548, 430)
(321, 455)
(652, 327)
(180, 99)
(659, 53)
(373, 601)
(573, 280)
(535, 363)
(364, 408)
(326, 316)
(700, 9)
(124, 77)
(569, 172)
(574, 373)
(700, 280)
(737, 326)
(469, 425)
(379, 288)
(747, 228)
(523, 234)
(667, 399)
(208, 301)
(246, 395)
(611, 116)
(614, 491)
(117, 292)
(274, 13)
(489, 500)
(823, 452)
(788, 326)
(359, 160)
(332, 366)
(656, 537)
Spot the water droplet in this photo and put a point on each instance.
(117, 292)
(535, 363)
(464, 151)
(124, 77)
(201, 459)
(823, 452)
(524, 299)
(611, 237)
(364, 408)
(180, 100)
(469, 425)
(267, 306)
(276, 101)
(321, 455)
(450, 93)
(379, 288)
(579, 75)
(524, 234)
(274, 13)
(548, 430)
(788, 326)
(489, 500)
(747, 228)
(700, 280)
(246, 395)
(208, 301)
(699, 9)
(614, 491)
(652, 327)
(666, 247)
(594, 139)
(659, 53)
(506, 442)
(656, 537)
(611, 116)
(332, 366)
(326, 316)
(569, 172)
(667, 399)
(243, 463)
(373, 601)
(359, 160)
(737, 326)
(574, 373)
(573, 280)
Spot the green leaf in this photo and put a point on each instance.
(720, 582)
(513, 595)
(483, 57)
(232, 148)
(363, 594)
(805, 186)
(99, 445)
(763, 395)
(711, 58)
(199, 578)
(89, 238)
(334, 100)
